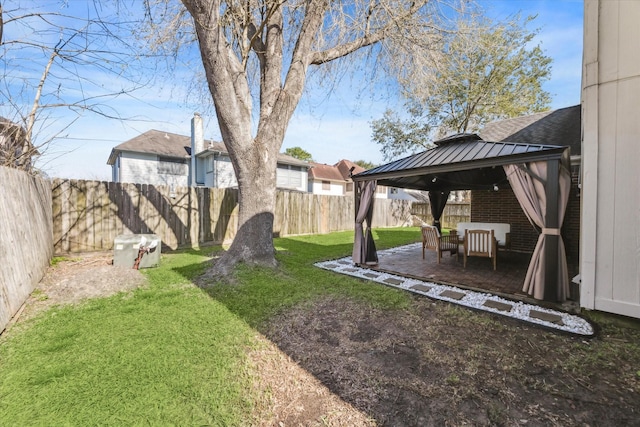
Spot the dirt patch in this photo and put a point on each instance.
(292, 396)
(78, 278)
(438, 364)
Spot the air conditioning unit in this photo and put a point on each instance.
(143, 248)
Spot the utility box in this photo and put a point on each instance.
(126, 249)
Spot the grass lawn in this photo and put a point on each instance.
(170, 353)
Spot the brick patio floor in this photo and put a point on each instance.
(477, 287)
(479, 275)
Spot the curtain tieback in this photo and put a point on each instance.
(551, 231)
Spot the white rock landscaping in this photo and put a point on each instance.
(542, 316)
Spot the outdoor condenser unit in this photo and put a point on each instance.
(126, 248)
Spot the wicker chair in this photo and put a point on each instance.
(432, 240)
(481, 243)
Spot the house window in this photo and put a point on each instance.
(393, 190)
(381, 189)
(326, 185)
(349, 187)
(172, 166)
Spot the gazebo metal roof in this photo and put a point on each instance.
(459, 162)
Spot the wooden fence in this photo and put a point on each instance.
(26, 238)
(454, 212)
(88, 215)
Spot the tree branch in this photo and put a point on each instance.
(368, 39)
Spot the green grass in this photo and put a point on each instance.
(264, 292)
(58, 259)
(169, 353)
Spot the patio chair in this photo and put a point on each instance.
(481, 243)
(432, 240)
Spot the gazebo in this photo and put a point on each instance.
(538, 174)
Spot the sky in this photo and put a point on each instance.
(331, 126)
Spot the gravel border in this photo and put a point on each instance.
(548, 318)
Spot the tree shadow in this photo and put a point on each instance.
(331, 334)
(88, 215)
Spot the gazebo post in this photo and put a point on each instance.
(356, 199)
(551, 240)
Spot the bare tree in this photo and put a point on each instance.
(282, 41)
(52, 61)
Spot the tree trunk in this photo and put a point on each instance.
(255, 159)
(253, 243)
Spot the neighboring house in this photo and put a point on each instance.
(164, 158)
(15, 150)
(457, 196)
(335, 180)
(154, 157)
(327, 180)
(610, 229)
(214, 169)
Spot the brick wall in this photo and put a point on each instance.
(502, 206)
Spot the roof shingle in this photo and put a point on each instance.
(555, 127)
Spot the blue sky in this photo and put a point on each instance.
(330, 127)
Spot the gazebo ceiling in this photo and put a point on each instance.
(459, 162)
(471, 179)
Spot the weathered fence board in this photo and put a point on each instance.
(88, 215)
(454, 212)
(26, 238)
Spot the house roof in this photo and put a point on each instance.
(555, 127)
(459, 162)
(12, 132)
(325, 172)
(155, 142)
(14, 135)
(341, 171)
(345, 167)
(169, 144)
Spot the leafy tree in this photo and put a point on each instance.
(483, 72)
(299, 154)
(365, 164)
(398, 136)
(257, 56)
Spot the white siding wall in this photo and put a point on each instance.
(143, 169)
(209, 172)
(398, 194)
(201, 171)
(292, 177)
(381, 192)
(335, 188)
(115, 170)
(225, 176)
(610, 228)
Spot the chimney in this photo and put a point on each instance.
(197, 145)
